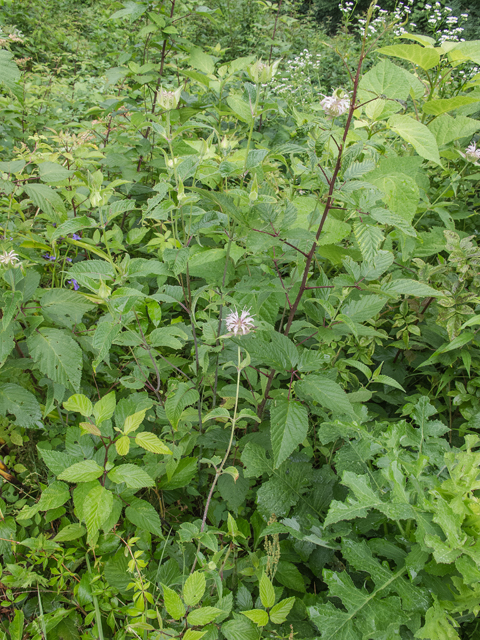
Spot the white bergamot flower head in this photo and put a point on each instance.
(336, 105)
(472, 154)
(240, 323)
(9, 258)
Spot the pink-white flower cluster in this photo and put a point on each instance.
(9, 258)
(335, 105)
(240, 323)
(472, 154)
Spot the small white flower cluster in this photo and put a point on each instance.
(9, 258)
(240, 323)
(472, 154)
(402, 10)
(444, 25)
(335, 105)
(296, 78)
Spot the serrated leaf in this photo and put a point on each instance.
(96, 509)
(104, 335)
(258, 616)
(150, 442)
(173, 603)
(55, 495)
(122, 445)
(144, 516)
(326, 392)
(418, 135)
(80, 403)
(191, 634)
(104, 408)
(56, 461)
(267, 592)
(131, 475)
(424, 57)
(57, 355)
(369, 239)
(288, 428)
(64, 307)
(134, 421)
(84, 471)
(240, 628)
(9, 72)
(16, 400)
(280, 611)
(412, 288)
(70, 532)
(194, 588)
(203, 616)
(183, 396)
(47, 200)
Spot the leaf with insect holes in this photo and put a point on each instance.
(150, 442)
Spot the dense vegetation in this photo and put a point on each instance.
(239, 381)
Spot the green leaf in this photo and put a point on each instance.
(258, 616)
(288, 428)
(80, 403)
(70, 532)
(52, 172)
(388, 381)
(365, 500)
(416, 134)
(365, 308)
(202, 616)
(267, 592)
(10, 73)
(104, 335)
(412, 288)
(326, 392)
(240, 628)
(64, 307)
(173, 603)
(194, 588)
(84, 471)
(369, 238)
(442, 105)
(122, 445)
(55, 495)
(104, 408)
(57, 355)
(191, 634)
(424, 57)
(183, 396)
(134, 421)
(21, 403)
(446, 129)
(150, 442)
(288, 575)
(56, 461)
(132, 476)
(439, 625)
(202, 61)
(182, 475)
(47, 200)
(96, 509)
(280, 611)
(144, 516)
(240, 108)
(385, 78)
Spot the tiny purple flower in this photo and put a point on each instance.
(74, 283)
(47, 256)
(75, 236)
(68, 259)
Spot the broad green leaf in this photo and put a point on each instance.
(194, 588)
(104, 408)
(96, 509)
(442, 105)
(16, 625)
(122, 445)
(202, 616)
(364, 308)
(192, 634)
(424, 57)
(47, 200)
(51, 172)
(182, 475)
(439, 624)
(131, 475)
(202, 61)
(326, 392)
(446, 129)
(183, 396)
(240, 108)
(134, 421)
(151, 442)
(258, 616)
(412, 288)
(280, 611)
(173, 603)
(64, 307)
(369, 238)
(365, 500)
(240, 628)
(288, 575)
(10, 73)
(144, 516)
(55, 495)
(416, 134)
(267, 592)
(80, 403)
(84, 471)
(388, 381)
(57, 355)
(385, 78)
(288, 428)
(56, 461)
(16, 400)
(104, 335)
(70, 532)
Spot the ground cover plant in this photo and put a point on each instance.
(239, 388)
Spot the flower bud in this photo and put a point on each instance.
(169, 99)
(261, 72)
